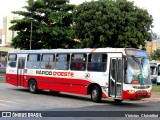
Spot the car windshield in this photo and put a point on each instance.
(137, 66)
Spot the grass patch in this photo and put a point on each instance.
(2, 73)
(2, 76)
(2, 81)
(155, 88)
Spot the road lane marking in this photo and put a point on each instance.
(3, 104)
(7, 101)
(18, 100)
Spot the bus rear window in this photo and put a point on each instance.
(12, 60)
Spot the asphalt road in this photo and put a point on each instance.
(19, 99)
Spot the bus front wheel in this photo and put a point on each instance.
(32, 86)
(96, 94)
(117, 101)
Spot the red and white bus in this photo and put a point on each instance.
(116, 73)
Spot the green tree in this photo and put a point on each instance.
(155, 55)
(51, 25)
(112, 23)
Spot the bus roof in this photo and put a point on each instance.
(84, 50)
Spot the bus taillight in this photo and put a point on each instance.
(135, 82)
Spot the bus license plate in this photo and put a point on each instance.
(141, 92)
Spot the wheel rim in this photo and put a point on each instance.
(94, 94)
(32, 86)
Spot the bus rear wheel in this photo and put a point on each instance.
(96, 94)
(32, 86)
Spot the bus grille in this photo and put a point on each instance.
(141, 87)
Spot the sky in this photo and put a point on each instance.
(152, 6)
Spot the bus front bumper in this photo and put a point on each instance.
(133, 95)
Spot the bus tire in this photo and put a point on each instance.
(118, 101)
(96, 94)
(33, 86)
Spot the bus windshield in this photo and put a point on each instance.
(137, 66)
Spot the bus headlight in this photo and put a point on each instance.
(131, 91)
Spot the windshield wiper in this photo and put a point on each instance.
(136, 60)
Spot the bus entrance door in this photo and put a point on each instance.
(115, 78)
(20, 71)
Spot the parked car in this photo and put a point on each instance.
(153, 70)
(155, 73)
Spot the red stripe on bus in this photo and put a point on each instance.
(78, 86)
(93, 50)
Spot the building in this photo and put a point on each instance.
(7, 35)
(152, 46)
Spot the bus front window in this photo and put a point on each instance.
(137, 68)
(146, 71)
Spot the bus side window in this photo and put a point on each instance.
(12, 60)
(62, 61)
(78, 61)
(48, 61)
(97, 62)
(33, 61)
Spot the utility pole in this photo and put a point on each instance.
(31, 36)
